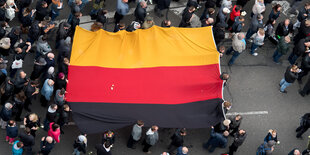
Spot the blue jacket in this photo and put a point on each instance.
(16, 151)
(6, 114)
(47, 90)
(180, 151)
(12, 131)
(218, 139)
(122, 8)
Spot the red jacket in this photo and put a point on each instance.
(234, 14)
(54, 134)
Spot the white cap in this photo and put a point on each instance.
(226, 10)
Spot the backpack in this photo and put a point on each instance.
(261, 150)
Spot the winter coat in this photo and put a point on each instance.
(177, 140)
(80, 146)
(217, 139)
(47, 90)
(101, 150)
(256, 24)
(219, 34)
(234, 13)
(221, 18)
(290, 77)
(47, 147)
(122, 8)
(140, 13)
(28, 140)
(282, 46)
(282, 30)
(258, 8)
(151, 137)
(54, 134)
(301, 17)
(136, 132)
(258, 39)
(305, 63)
(237, 26)
(239, 139)
(300, 47)
(34, 31)
(42, 46)
(12, 131)
(41, 12)
(238, 45)
(6, 114)
(16, 150)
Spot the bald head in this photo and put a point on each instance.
(184, 150)
(241, 36)
(49, 139)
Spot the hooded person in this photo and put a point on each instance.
(38, 68)
(80, 144)
(42, 46)
(47, 92)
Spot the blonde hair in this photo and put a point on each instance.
(261, 31)
(34, 116)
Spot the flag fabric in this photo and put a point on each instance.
(168, 77)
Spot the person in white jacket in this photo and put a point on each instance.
(258, 7)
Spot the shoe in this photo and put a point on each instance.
(149, 152)
(284, 92)
(278, 63)
(255, 54)
(299, 137)
(301, 94)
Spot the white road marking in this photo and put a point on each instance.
(248, 113)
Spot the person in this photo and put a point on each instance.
(294, 5)
(258, 7)
(80, 145)
(306, 90)
(221, 50)
(222, 126)
(226, 106)
(140, 12)
(216, 140)
(5, 114)
(119, 27)
(32, 122)
(63, 66)
(275, 12)
(2, 10)
(38, 68)
(51, 116)
(150, 139)
(122, 9)
(284, 28)
(299, 49)
(8, 90)
(47, 92)
(26, 19)
(96, 26)
(62, 32)
(17, 148)
(266, 148)
(74, 22)
(234, 13)
(295, 151)
(222, 17)
(235, 124)
(104, 149)
(307, 150)
(11, 131)
(102, 16)
(31, 90)
(57, 5)
(15, 36)
(207, 22)
(96, 7)
(59, 98)
(238, 24)
(148, 23)
(282, 48)
(133, 26)
(54, 131)
(17, 64)
(303, 31)
(305, 67)
(187, 17)
(135, 135)
(165, 153)
(182, 150)
(41, 10)
(63, 117)
(269, 29)
(46, 145)
(108, 136)
(258, 41)
(161, 5)
(75, 7)
(304, 125)
(177, 140)
(256, 23)
(219, 33)
(291, 74)
(28, 140)
(302, 15)
(209, 13)
(238, 46)
(35, 30)
(42, 46)
(271, 136)
(239, 138)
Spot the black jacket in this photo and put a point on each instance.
(140, 13)
(80, 146)
(28, 140)
(219, 34)
(46, 147)
(305, 63)
(37, 71)
(41, 12)
(62, 33)
(2, 14)
(101, 150)
(300, 47)
(239, 139)
(289, 76)
(34, 31)
(13, 37)
(163, 4)
(301, 13)
(282, 30)
(101, 17)
(177, 139)
(2, 32)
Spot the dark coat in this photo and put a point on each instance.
(300, 47)
(19, 82)
(219, 34)
(34, 31)
(51, 117)
(62, 33)
(80, 146)
(289, 76)
(140, 13)
(101, 17)
(2, 32)
(301, 17)
(62, 67)
(31, 124)
(217, 139)
(210, 4)
(13, 37)
(237, 26)
(60, 83)
(37, 71)
(2, 14)
(239, 139)
(41, 12)
(282, 46)
(63, 118)
(281, 30)
(305, 63)
(47, 147)
(12, 132)
(26, 20)
(28, 140)
(29, 90)
(303, 32)
(101, 150)
(163, 4)
(186, 16)
(6, 114)
(177, 139)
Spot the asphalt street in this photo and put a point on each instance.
(253, 90)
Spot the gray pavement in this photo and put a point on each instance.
(253, 90)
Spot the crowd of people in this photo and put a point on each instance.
(48, 78)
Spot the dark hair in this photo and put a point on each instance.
(34, 82)
(43, 3)
(11, 122)
(44, 37)
(2, 3)
(62, 91)
(77, 14)
(237, 8)
(27, 130)
(107, 144)
(55, 126)
(53, 106)
(183, 131)
(3, 23)
(275, 8)
(140, 122)
(65, 106)
(19, 144)
(270, 21)
(21, 96)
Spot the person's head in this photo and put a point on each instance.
(96, 26)
(307, 43)
(50, 55)
(18, 50)
(140, 123)
(51, 70)
(22, 74)
(209, 21)
(184, 150)
(11, 122)
(77, 14)
(277, 8)
(109, 133)
(125, 1)
(21, 96)
(183, 132)
(165, 153)
(107, 144)
(26, 11)
(238, 8)
(33, 117)
(241, 131)
(8, 105)
(238, 117)
(167, 23)
(27, 130)
(226, 11)
(260, 17)
(273, 133)
(241, 36)
(286, 22)
(4, 24)
(296, 152)
(226, 133)
(222, 49)
(55, 127)
(66, 25)
(66, 61)
(62, 91)
(44, 4)
(211, 11)
(287, 39)
(241, 18)
(78, 2)
(50, 82)
(227, 104)
(54, 106)
(224, 76)
(307, 23)
(154, 128)
(226, 122)
(191, 9)
(294, 68)
(49, 139)
(261, 31)
(2, 4)
(143, 4)
(66, 107)
(149, 19)
(307, 5)
(121, 26)
(20, 144)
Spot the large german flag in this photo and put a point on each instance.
(164, 76)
